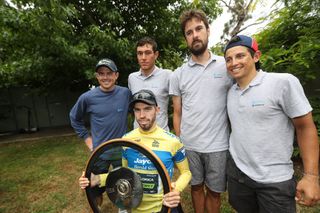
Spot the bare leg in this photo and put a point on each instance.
(198, 198)
(213, 201)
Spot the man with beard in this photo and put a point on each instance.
(199, 89)
(164, 144)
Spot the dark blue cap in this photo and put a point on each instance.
(242, 40)
(107, 63)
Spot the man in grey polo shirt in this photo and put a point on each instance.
(199, 89)
(265, 109)
(152, 78)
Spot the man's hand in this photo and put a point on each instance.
(308, 190)
(84, 182)
(89, 143)
(172, 199)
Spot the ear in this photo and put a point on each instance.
(156, 53)
(117, 75)
(257, 56)
(157, 109)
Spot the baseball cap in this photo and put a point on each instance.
(107, 63)
(242, 40)
(145, 96)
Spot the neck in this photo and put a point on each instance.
(244, 82)
(107, 90)
(152, 129)
(148, 72)
(203, 58)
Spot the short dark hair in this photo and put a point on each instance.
(190, 14)
(147, 40)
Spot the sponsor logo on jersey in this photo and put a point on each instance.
(155, 143)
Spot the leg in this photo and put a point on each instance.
(213, 201)
(215, 178)
(198, 198)
(197, 190)
(241, 190)
(277, 197)
(241, 197)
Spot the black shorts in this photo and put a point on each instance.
(249, 196)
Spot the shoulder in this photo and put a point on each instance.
(131, 134)
(123, 89)
(133, 75)
(284, 78)
(168, 136)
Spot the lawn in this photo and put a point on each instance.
(42, 177)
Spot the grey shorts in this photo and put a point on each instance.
(208, 168)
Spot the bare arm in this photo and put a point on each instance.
(308, 191)
(177, 112)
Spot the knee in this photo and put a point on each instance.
(215, 195)
(198, 187)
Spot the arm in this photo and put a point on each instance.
(308, 191)
(172, 199)
(76, 115)
(177, 112)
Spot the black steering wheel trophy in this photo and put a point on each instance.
(123, 186)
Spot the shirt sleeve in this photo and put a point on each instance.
(293, 100)
(77, 115)
(181, 162)
(174, 84)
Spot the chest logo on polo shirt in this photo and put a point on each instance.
(257, 103)
(137, 140)
(155, 143)
(217, 75)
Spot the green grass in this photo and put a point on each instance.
(42, 177)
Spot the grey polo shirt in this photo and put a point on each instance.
(203, 91)
(261, 141)
(158, 83)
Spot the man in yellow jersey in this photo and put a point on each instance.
(164, 144)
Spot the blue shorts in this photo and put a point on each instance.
(249, 196)
(208, 168)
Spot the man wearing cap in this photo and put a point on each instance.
(164, 144)
(265, 110)
(107, 107)
(151, 77)
(199, 89)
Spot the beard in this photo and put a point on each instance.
(148, 126)
(199, 50)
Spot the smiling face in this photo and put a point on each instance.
(241, 64)
(146, 58)
(145, 115)
(106, 78)
(196, 35)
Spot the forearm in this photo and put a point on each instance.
(185, 175)
(308, 143)
(309, 150)
(176, 123)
